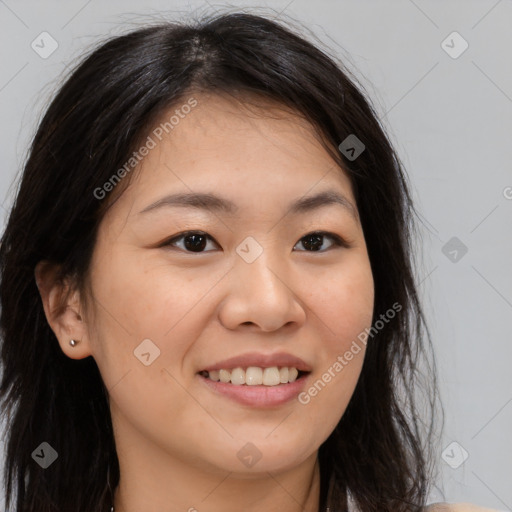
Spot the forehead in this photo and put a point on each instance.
(246, 151)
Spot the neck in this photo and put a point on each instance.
(189, 490)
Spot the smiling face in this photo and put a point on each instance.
(253, 283)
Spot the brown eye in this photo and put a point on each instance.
(193, 241)
(197, 241)
(313, 241)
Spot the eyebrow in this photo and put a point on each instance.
(213, 203)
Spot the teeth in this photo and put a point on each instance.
(214, 375)
(271, 376)
(238, 376)
(225, 376)
(254, 376)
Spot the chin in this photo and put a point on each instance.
(263, 456)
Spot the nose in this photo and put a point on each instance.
(261, 294)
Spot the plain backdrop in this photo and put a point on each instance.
(448, 111)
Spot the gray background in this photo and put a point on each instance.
(450, 120)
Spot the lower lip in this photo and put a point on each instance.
(257, 396)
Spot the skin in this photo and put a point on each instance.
(177, 441)
(457, 507)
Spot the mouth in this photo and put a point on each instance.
(256, 387)
(257, 379)
(255, 375)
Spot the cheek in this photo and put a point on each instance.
(344, 307)
(344, 302)
(143, 299)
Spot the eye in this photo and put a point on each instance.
(194, 241)
(314, 241)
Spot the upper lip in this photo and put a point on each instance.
(280, 359)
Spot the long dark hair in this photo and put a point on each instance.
(379, 453)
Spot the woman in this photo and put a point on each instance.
(207, 293)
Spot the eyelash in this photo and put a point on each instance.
(338, 241)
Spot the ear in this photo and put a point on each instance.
(62, 307)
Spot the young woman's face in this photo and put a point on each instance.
(251, 285)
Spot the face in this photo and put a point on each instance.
(182, 291)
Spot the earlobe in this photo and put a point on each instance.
(61, 304)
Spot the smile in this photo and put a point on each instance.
(255, 386)
(254, 375)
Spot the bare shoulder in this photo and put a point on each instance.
(457, 507)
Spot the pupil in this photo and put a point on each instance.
(197, 244)
(316, 242)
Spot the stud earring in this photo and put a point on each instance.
(73, 343)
